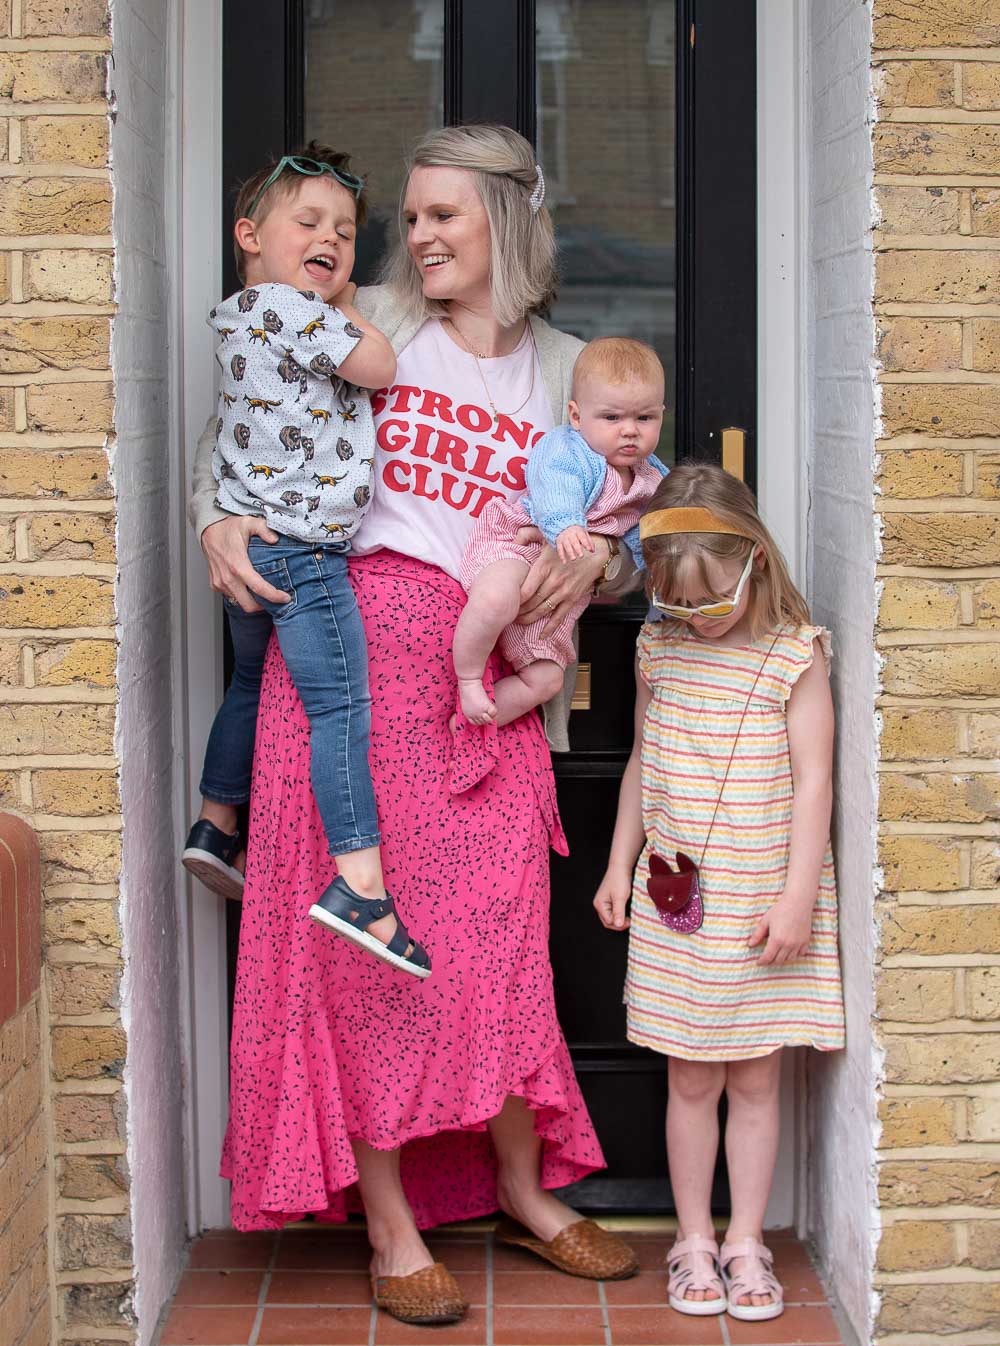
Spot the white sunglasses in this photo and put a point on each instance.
(723, 608)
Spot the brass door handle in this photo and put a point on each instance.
(734, 451)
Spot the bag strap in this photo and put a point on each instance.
(732, 753)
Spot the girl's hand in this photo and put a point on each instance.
(787, 926)
(612, 899)
(550, 589)
(573, 542)
(229, 570)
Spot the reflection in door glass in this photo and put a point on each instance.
(373, 83)
(605, 119)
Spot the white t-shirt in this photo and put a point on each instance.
(439, 455)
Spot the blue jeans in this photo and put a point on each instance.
(323, 644)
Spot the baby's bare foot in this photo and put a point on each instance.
(476, 705)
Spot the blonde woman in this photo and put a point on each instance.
(447, 1098)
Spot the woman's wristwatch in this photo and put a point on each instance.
(612, 565)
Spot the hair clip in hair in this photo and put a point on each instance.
(538, 194)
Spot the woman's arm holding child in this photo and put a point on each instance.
(787, 925)
(629, 838)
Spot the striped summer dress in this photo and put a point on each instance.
(704, 996)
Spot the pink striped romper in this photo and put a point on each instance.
(494, 538)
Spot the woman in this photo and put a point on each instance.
(446, 1098)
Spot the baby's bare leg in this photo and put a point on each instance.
(531, 686)
(494, 599)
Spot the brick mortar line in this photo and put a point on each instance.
(951, 242)
(46, 42)
(938, 960)
(975, 1089)
(953, 1275)
(56, 696)
(65, 762)
(56, 822)
(940, 766)
(936, 179)
(55, 442)
(56, 308)
(57, 242)
(54, 169)
(943, 378)
(975, 55)
(12, 505)
(925, 639)
(973, 897)
(958, 575)
(55, 378)
(926, 308)
(980, 506)
(60, 569)
(55, 107)
(942, 1028)
(920, 701)
(58, 633)
(902, 115)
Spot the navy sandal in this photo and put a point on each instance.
(209, 855)
(342, 910)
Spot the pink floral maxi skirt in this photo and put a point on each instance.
(329, 1044)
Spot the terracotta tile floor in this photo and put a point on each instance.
(306, 1287)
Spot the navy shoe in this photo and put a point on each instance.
(344, 911)
(209, 856)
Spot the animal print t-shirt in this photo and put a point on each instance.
(294, 443)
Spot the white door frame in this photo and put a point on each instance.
(197, 254)
(782, 415)
(781, 456)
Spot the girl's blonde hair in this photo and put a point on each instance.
(522, 241)
(774, 599)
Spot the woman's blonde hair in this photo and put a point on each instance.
(522, 241)
(774, 599)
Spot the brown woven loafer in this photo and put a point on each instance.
(581, 1249)
(430, 1295)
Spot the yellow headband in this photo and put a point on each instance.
(684, 520)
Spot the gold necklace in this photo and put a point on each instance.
(477, 357)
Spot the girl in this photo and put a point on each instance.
(733, 956)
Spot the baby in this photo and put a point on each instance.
(595, 475)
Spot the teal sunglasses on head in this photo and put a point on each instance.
(310, 168)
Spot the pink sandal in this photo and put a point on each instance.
(682, 1277)
(756, 1278)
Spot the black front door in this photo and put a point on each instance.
(643, 116)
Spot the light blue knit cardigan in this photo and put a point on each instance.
(564, 477)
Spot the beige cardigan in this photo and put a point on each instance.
(557, 352)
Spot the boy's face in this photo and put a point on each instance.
(620, 421)
(305, 240)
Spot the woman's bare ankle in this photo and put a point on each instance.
(397, 1250)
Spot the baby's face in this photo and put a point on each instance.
(620, 421)
(306, 239)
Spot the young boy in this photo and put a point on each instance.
(294, 446)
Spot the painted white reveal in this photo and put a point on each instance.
(144, 478)
(842, 553)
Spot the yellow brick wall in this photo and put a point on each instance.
(57, 639)
(937, 303)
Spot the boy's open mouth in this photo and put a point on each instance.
(321, 267)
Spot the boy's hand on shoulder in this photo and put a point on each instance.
(787, 927)
(612, 899)
(573, 542)
(346, 296)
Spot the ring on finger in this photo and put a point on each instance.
(548, 605)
